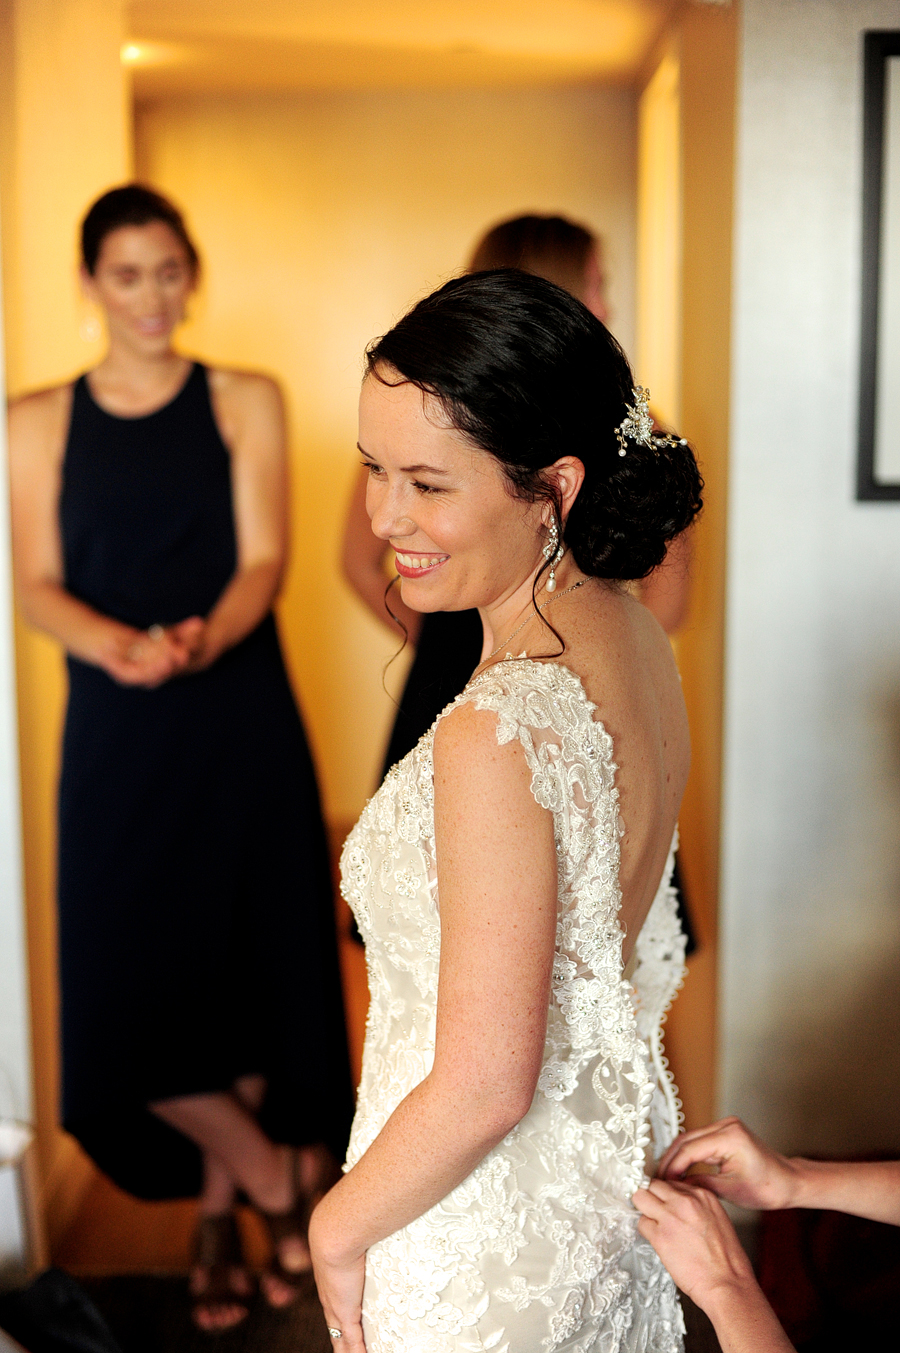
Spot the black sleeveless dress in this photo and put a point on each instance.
(447, 653)
(196, 925)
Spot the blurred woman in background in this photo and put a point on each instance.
(195, 918)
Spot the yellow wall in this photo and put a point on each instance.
(321, 217)
(704, 42)
(66, 137)
(659, 239)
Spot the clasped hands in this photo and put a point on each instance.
(150, 657)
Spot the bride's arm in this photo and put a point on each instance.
(497, 886)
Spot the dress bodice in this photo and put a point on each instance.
(559, 1185)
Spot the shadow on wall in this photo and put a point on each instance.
(829, 1100)
(834, 1068)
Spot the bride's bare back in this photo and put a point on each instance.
(627, 668)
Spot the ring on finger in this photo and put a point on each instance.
(335, 1334)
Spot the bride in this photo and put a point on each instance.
(513, 869)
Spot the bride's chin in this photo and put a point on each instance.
(422, 606)
(429, 605)
(418, 597)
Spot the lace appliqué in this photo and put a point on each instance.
(552, 1201)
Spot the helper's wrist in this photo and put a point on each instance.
(721, 1298)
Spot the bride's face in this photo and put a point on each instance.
(460, 537)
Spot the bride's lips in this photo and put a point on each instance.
(410, 565)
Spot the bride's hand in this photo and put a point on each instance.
(340, 1283)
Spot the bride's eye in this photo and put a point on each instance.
(372, 468)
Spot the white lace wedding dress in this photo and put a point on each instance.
(537, 1250)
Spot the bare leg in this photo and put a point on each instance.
(217, 1195)
(238, 1153)
(222, 1127)
(216, 1200)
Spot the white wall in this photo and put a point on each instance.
(15, 1023)
(15, 1059)
(811, 882)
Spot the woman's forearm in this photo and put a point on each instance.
(743, 1319)
(862, 1188)
(369, 582)
(691, 1233)
(240, 608)
(132, 657)
(81, 630)
(429, 1145)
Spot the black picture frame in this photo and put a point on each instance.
(878, 48)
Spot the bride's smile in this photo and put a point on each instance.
(417, 565)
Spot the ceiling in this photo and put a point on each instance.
(181, 46)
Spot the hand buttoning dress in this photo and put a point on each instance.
(537, 1250)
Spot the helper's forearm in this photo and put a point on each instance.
(369, 582)
(743, 1320)
(82, 631)
(240, 608)
(863, 1188)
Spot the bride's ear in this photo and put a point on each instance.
(567, 477)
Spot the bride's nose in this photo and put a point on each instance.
(389, 521)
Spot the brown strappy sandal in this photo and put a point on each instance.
(217, 1250)
(294, 1224)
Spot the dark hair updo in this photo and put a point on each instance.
(526, 373)
(131, 205)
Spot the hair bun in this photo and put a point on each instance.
(620, 526)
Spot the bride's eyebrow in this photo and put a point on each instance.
(408, 469)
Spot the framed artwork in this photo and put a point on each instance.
(878, 465)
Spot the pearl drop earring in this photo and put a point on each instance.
(552, 552)
(89, 330)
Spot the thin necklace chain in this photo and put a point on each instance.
(540, 609)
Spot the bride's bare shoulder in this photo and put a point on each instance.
(615, 627)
